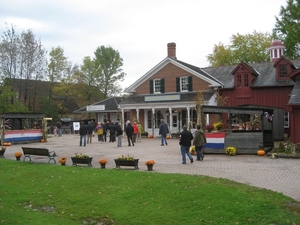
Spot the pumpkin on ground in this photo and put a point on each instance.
(261, 152)
(151, 136)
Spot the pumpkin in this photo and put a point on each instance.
(168, 136)
(42, 140)
(6, 144)
(261, 152)
(151, 136)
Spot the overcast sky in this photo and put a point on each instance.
(138, 29)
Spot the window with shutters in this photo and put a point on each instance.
(184, 84)
(156, 86)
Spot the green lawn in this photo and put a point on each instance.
(33, 193)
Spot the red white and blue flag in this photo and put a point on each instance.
(215, 140)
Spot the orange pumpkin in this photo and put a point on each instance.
(168, 136)
(151, 136)
(42, 140)
(261, 152)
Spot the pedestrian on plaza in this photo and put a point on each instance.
(119, 135)
(90, 130)
(104, 126)
(129, 132)
(99, 131)
(59, 129)
(139, 137)
(82, 133)
(163, 131)
(185, 139)
(199, 141)
(112, 132)
(135, 132)
(55, 131)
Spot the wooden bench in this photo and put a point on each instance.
(38, 151)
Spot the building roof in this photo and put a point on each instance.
(295, 94)
(266, 74)
(111, 104)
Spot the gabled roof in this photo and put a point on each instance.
(196, 71)
(295, 94)
(266, 74)
(111, 104)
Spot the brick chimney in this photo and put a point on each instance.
(172, 50)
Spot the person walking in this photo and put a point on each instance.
(59, 129)
(129, 132)
(90, 130)
(163, 131)
(135, 132)
(82, 133)
(119, 135)
(185, 139)
(199, 141)
(139, 137)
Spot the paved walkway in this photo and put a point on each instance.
(280, 175)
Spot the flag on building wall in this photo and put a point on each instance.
(215, 140)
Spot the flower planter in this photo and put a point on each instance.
(102, 165)
(150, 167)
(18, 158)
(121, 162)
(87, 161)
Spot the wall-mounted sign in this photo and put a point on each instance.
(95, 107)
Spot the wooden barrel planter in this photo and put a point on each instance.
(121, 162)
(87, 161)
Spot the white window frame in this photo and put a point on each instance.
(157, 86)
(184, 84)
(286, 119)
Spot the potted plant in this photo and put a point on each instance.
(149, 163)
(18, 155)
(209, 128)
(128, 160)
(63, 160)
(218, 126)
(102, 162)
(2, 151)
(82, 159)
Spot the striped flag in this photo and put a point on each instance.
(215, 140)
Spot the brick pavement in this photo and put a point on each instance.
(280, 175)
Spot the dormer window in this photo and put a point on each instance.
(283, 71)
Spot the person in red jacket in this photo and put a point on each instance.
(135, 132)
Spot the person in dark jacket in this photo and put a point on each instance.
(82, 133)
(185, 139)
(199, 141)
(90, 130)
(163, 131)
(112, 132)
(129, 132)
(119, 135)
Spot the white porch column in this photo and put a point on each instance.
(137, 114)
(152, 121)
(189, 116)
(171, 119)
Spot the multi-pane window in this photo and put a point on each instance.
(283, 72)
(246, 80)
(286, 120)
(157, 86)
(242, 80)
(184, 84)
(239, 80)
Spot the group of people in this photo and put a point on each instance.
(133, 133)
(114, 130)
